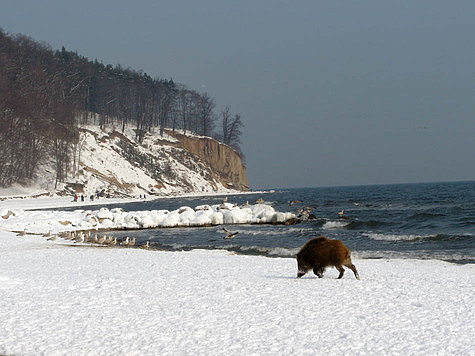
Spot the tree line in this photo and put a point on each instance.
(45, 95)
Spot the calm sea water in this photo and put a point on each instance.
(420, 221)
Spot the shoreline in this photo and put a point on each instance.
(44, 201)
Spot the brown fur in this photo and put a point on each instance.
(321, 252)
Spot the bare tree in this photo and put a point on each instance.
(205, 107)
(231, 128)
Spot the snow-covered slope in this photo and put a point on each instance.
(110, 162)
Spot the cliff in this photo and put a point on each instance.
(224, 161)
(110, 162)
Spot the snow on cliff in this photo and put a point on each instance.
(110, 162)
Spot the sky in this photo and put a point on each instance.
(331, 92)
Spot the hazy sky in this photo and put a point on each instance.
(331, 92)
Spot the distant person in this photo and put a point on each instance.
(144, 196)
(82, 197)
(75, 197)
(92, 197)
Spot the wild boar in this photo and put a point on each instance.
(321, 252)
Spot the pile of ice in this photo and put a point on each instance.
(203, 215)
(42, 221)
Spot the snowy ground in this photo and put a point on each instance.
(60, 299)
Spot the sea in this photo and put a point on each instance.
(416, 221)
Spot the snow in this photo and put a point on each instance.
(103, 167)
(75, 299)
(44, 221)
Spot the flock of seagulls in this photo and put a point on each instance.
(87, 237)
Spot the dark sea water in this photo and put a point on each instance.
(422, 221)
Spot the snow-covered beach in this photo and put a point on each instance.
(60, 298)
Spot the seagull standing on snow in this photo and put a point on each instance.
(229, 235)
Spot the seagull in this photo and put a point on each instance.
(146, 246)
(225, 199)
(131, 242)
(79, 237)
(340, 213)
(260, 201)
(295, 202)
(52, 238)
(111, 242)
(223, 206)
(94, 239)
(64, 234)
(229, 235)
(22, 233)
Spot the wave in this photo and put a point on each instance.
(393, 237)
(353, 224)
(335, 224)
(244, 250)
(459, 258)
(273, 232)
(414, 237)
(424, 216)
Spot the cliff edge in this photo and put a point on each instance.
(224, 161)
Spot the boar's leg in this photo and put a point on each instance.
(341, 270)
(353, 268)
(318, 271)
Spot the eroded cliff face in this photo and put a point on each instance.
(223, 160)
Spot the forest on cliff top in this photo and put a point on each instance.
(46, 94)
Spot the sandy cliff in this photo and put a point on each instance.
(225, 162)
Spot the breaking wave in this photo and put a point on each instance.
(414, 237)
(335, 224)
(394, 237)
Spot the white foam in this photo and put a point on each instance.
(335, 224)
(393, 237)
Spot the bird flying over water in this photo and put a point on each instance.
(295, 202)
(229, 235)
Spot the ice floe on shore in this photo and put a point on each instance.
(116, 218)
